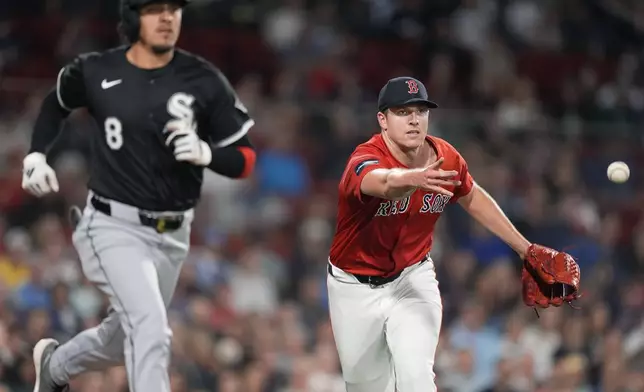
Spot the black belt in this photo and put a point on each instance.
(376, 281)
(161, 224)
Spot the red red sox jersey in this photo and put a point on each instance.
(381, 237)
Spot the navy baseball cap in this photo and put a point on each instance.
(401, 91)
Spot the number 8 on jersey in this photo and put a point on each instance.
(113, 133)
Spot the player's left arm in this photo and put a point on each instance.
(233, 154)
(222, 143)
(485, 210)
(548, 277)
(482, 207)
(236, 160)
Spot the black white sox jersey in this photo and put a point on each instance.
(130, 162)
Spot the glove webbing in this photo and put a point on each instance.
(569, 302)
(563, 289)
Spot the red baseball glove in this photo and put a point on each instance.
(549, 277)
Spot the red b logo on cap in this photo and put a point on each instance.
(413, 87)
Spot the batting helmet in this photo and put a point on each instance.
(129, 26)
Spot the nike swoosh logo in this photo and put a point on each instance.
(105, 84)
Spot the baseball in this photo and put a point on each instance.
(618, 172)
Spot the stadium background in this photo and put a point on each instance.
(539, 95)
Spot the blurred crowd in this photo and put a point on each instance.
(538, 95)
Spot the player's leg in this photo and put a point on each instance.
(93, 349)
(358, 319)
(103, 346)
(413, 327)
(117, 258)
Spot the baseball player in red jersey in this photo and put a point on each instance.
(385, 305)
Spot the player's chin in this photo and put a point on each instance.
(161, 48)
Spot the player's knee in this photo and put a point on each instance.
(158, 333)
(366, 370)
(384, 383)
(110, 326)
(154, 326)
(421, 370)
(416, 375)
(163, 340)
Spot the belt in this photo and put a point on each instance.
(376, 281)
(161, 224)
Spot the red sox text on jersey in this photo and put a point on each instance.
(432, 203)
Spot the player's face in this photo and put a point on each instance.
(160, 25)
(406, 125)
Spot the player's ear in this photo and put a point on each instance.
(382, 120)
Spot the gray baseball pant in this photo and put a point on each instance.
(138, 269)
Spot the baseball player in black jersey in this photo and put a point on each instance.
(163, 115)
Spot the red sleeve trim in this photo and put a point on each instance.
(250, 157)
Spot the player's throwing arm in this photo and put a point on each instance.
(399, 183)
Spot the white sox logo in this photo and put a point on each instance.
(432, 203)
(180, 106)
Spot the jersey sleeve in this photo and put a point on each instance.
(361, 163)
(467, 182)
(70, 85)
(229, 119)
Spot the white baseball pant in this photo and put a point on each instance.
(138, 269)
(387, 336)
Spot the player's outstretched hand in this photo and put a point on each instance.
(434, 179)
(38, 178)
(187, 146)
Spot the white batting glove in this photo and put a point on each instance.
(38, 178)
(188, 147)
